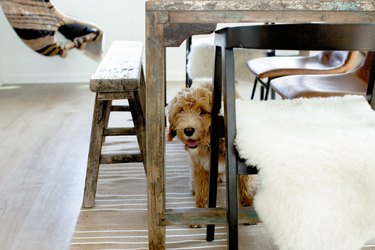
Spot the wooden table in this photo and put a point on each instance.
(168, 24)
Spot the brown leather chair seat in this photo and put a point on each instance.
(352, 82)
(325, 62)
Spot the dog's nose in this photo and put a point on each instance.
(189, 131)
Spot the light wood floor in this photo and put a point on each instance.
(44, 136)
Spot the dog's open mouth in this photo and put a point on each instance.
(192, 143)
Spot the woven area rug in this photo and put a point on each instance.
(119, 218)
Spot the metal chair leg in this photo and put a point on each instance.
(188, 81)
(254, 88)
(231, 159)
(215, 140)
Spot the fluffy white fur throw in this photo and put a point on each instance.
(317, 169)
(201, 60)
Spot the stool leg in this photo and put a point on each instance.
(138, 121)
(108, 112)
(98, 124)
(107, 115)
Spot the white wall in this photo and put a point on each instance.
(119, 19)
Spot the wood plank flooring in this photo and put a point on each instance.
(44, 135)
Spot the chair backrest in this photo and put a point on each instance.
(310, 36)
(325, 62)
(341, 61)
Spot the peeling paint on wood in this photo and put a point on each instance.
(314, 5)
(120, 69)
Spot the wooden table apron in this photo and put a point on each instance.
(170, 22)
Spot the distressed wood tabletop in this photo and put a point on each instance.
(262, 5)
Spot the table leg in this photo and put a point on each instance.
(155, 131)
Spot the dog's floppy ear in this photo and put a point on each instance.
(204, 96)
(169, 110)
(171, 134)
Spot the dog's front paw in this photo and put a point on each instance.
(246, 201)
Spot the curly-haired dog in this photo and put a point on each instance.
(189, 114)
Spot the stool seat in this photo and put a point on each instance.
(122, 69)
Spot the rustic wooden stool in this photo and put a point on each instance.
(118, 77)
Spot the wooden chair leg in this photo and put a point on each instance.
(98, 125)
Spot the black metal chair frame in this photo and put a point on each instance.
(323, 36)
(188, 81)
(265, 86)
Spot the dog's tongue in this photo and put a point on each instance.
(192, 143)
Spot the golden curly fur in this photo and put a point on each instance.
(189, 114)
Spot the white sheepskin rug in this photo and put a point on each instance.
(316, 161)
(201, 60)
